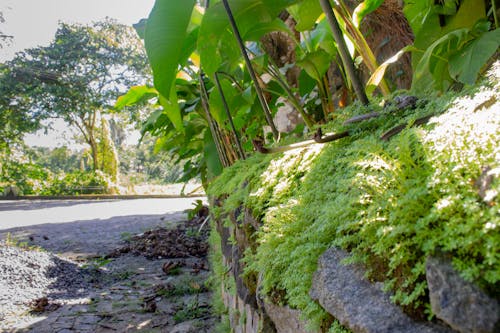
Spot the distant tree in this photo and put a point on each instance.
(4, 39)
(60, 159)
(108, 156)
(76, 78)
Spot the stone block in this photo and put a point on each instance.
(285, 320)
(363, 307)
(459, 303)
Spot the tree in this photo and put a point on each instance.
(4, 39)
(77, 77)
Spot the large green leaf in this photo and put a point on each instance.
(466, 64)
(261, 29)
(315, 64)
(172, 110)
(166, 31)
(365, 8)
(135, 95)
(212, 161)
(216, 105)
(425, 21)
(379, 73)
(306, 14)
(216, 31)
(433, 66)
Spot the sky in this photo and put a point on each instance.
(34, 22)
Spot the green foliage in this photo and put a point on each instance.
(29, 178)
(166, 30)
(60, 159)
(391, 204)
(108, 156)
(216, 43)
(80, 182)
(365, 8)
(34, 179)
(452, 42)
(75, 78)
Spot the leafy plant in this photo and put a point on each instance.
(390, 204)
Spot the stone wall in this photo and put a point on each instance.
(345, 293)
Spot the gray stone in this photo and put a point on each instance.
(285, 319)
(356, 303)
(459, 303)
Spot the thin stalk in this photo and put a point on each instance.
(495, 17)
(232, 79)
(216, 136)
(278, 76)
(344, 53)
(361, 45)
(251, 71)
(241, 153)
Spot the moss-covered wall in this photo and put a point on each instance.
(391, 204)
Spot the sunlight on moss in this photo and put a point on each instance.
(394, 202)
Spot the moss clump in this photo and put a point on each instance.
(391, 204)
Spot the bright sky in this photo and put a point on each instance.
(34, 23)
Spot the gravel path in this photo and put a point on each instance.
(71, 287)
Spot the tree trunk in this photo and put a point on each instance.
(94, 151)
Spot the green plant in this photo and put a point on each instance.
(97, 263)
(191, 310)
(75, 78)
(453, 43)
(391, 204)
(15, 242)
(126, 236)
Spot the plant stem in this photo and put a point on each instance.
(279, 77)
(360, 44)
(344, 52)
(494, 7)
(241, 153)
(251, 71)
(213, 128)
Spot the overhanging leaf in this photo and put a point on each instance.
(212, 161)
(134, 95)
(172, 110)
(216, 31)
(466, 64)
(306, 13)
(315, 64)
(363, 9)
(379, 73)
(166, 30)
(261, 29)
(434, 62)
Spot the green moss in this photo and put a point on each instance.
(391, 204)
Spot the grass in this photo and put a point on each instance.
(191, 310)
(15, 242)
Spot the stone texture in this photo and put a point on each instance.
(359, 305)
(285, 320)
(459, 303)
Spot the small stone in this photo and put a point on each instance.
(459, 303)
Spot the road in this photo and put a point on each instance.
(118, 293)
(85, 227)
